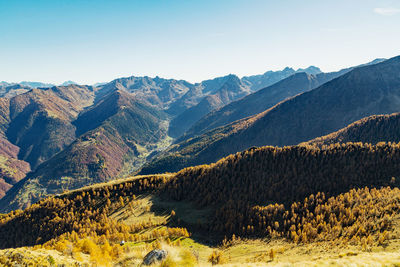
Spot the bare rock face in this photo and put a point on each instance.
(154, 256)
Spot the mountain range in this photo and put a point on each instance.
(361, 92)
(298, 82)
(259, 170)
(231, 89)
(34, 85)
(111, 136)
(66, 137)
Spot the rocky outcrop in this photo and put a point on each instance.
(154, 256)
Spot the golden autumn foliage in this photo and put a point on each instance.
(341, 192)
(217, 257)
(62, 220)
(257, 192)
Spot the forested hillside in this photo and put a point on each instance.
(40, 121)
(12, 169)
(299, 193)
(266, 175)
(35, 125)
(107, 150)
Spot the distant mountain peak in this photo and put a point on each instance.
(66, 83)
(232, 78)
(288, 69)
(233, 83)
(376, 61)
(36, 84)
(310, 70)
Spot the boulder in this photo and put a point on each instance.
(155, 256)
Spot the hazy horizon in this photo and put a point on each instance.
(193, 82)
(86, 42)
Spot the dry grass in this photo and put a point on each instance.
(243, 253)
(38, 257)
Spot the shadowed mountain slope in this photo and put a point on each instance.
(362, 92)
(248, 84)
(265, 98)
(4, 114)
(373, 129)
(196, 94)
(232, 89)
(255, 103)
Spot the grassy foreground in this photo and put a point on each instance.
(242, 253)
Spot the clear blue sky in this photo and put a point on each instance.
(95, 41)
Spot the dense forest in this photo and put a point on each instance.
(301, 193)
(83, 213)
(269, 175)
